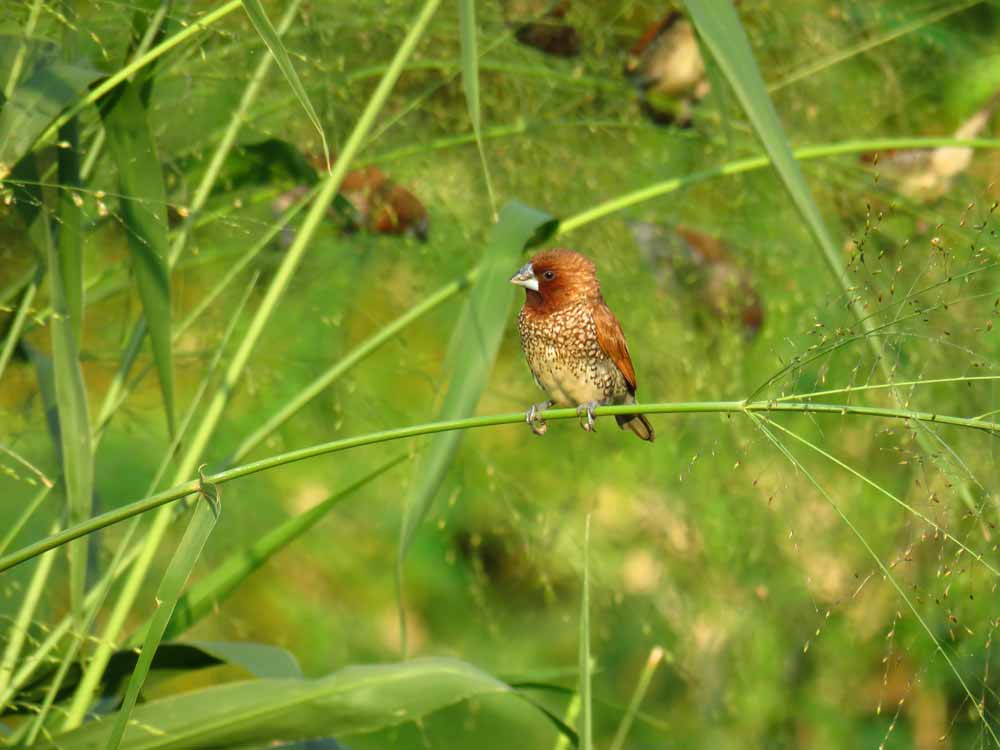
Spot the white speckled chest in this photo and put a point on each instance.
(566, 359)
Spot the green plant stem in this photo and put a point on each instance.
(760, 162)
(236, 122)
(213, 412)
(18, 631)
(22, 50)
(399, 433)
(352, 358)
(14, 334)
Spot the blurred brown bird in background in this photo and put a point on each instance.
(705, 269)
(667, 68)
(384, 206)
(368, 200)
(544, 28)
(573, 343)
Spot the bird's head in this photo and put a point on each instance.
(556, 278)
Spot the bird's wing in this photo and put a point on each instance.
(612, 341)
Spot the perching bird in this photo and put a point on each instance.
(573, 342)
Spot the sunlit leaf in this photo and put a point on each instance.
(206, 513)
(350, 701)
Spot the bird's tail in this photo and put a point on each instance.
(637, 423)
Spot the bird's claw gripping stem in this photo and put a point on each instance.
(537, 424)
(587, 410)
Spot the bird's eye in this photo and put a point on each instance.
(549, 275)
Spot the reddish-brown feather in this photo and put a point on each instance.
(612, 341)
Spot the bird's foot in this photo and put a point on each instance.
(537, 424)
(587, 410)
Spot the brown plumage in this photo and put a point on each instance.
(573, 343)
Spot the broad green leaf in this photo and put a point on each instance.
(470, 82)
(206, 513)
(225, 578)
(472, 349)
(271, 38)
(350, 701)
(143, 205)
(35, 104)
(259, 659)
(71, 405)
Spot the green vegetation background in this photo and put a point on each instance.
(778, 628)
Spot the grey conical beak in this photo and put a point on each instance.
(525, 277)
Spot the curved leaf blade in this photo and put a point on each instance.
(350, 701)
(143, 205)
(258, 17)
(203, 519)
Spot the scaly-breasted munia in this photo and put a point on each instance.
(573, 343)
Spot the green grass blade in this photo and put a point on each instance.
(470, 84)
(95, 668)
(240, 115)
(203, 519)
(35, 104)
(353, 700)
(17, 631)
(206, 594)
(641, 687)
(17, 326)
(586, 726)
(720, 28)
(200, 26)
(70, 226)
(143, 205)
(472, 349)
(71, 405)
(23, 517)
(255, 12)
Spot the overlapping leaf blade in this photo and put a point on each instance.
(350, 701)
(144, 206)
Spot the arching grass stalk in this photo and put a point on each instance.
(765, 425)
(760, 162)
(335, 446)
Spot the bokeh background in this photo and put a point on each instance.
(777, 625)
